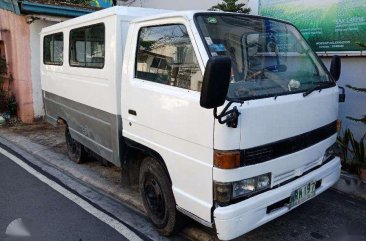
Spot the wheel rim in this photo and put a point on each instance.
(154, 197)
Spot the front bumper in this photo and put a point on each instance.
(237, 219)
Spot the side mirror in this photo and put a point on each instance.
(335, 67)
(216, 82)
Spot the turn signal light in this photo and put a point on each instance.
(227, 159)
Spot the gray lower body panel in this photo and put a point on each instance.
(98, 130)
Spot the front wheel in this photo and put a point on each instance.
(157, 196)
(75, 150)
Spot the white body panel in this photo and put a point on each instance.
(240, 218)
(98, 88)
(167, 121)
(170, 121)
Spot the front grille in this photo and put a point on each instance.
(287, 146)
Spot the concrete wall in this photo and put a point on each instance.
(16, 36)
(353, 73)
(35, 29)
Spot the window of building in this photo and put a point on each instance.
(87, 46)
(165, 55)
(53, 46)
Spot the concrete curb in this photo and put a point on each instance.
(352, 185)
(79, 172)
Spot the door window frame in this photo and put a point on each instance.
(166, 22)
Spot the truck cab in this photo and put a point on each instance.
(236, 115)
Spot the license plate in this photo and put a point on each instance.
(302, 194)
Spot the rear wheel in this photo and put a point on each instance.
(157, 196)
(75, 150)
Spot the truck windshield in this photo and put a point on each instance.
(269, 58)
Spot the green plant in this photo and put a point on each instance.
(3, 66)
(231, 6)
(343, 142)
(8, 102)
(12, 105)
(353, 151)
(358, 148)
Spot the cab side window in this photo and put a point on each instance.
(165, 55)
(53, 46)
(87, 46)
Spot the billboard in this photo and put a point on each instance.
(328, 25)
(102, 3)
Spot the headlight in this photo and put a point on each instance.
(225, 192)
(331, 152)
(251, 185)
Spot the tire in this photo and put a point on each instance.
(157, 196)
(75, 150)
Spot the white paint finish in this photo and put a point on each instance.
(268, 120)
(98, 88)
(282, 168)
(113, 223)
(170, 121)
(238, 219)
(89, 86)
(125, 13)
(35, 29)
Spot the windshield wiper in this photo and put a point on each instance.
(318, 86)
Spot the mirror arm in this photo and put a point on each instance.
(232, 116)
(342, 96)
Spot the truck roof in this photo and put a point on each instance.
(135, 14)
(128, 13)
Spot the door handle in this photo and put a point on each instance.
(132, 112)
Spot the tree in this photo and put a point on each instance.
(231, 6)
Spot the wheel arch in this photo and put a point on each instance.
(147, 151)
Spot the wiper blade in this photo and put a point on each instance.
(318, 86)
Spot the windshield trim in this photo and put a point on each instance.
(332, 82)
(241, 100)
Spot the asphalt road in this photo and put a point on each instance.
(331, 216)
(45, 213)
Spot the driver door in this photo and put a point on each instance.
(162, 110)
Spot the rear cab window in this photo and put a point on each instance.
(87, 46)
(53, 45)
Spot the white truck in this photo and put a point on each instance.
(231, 119)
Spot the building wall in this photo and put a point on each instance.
(16, 36)
(35, 30)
